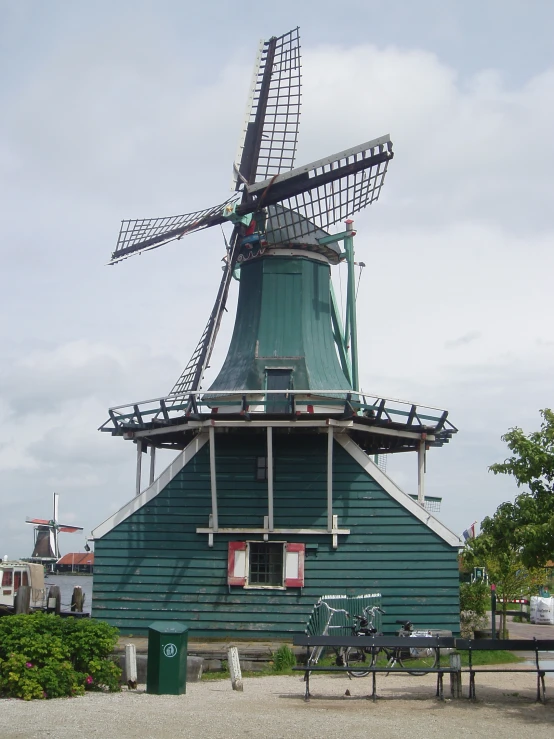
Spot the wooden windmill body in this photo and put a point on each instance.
(274, 497)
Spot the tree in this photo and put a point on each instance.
(504, 567)
(474, 601)
(528, 523)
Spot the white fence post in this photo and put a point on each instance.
(234, 668)
(131, 665)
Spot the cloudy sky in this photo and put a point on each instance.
(129, 109)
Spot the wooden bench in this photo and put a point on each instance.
(510, 645)
(374, 643)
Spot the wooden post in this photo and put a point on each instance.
(54, 599)
(131, 665)
(139, 467)
(152, 464)
(421, 473)
(213, 479)
(77, 599)
(22, 601)
(329, 478)
(270, 478)
(234, 668)
(456, 677)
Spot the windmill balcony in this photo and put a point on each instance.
(379, 425)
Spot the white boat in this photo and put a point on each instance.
(14, 574)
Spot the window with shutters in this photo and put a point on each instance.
(262, 564)
(265, 564)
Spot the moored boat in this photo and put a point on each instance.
(15, 574)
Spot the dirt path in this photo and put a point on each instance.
(274, 707)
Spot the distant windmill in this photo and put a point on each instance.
(46, 534)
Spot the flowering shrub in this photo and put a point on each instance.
(45, 656)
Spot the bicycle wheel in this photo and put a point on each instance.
(359, 660)
(418, 661)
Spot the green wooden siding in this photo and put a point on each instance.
(283, 320)
(155, 566)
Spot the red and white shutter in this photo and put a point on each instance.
(236, 565)
(294, 565)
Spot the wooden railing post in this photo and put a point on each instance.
(456, 677)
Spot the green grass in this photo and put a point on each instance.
(486, 657)
(490, 657)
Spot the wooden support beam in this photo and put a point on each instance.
(270, 478)
(152, 464)
(139, 466)
(330, 478)
(421, 473)
(213, 478)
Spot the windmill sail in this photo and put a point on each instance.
(142, 234)
(191, 377)
(270, 131)
(326, 191)
(298, 204)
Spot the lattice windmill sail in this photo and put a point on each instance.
(278, 205)
(272, 112)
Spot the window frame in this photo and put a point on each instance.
(256, 586)
(238, 565)
(7, 578)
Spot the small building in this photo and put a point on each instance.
(160, 556)
(76, 562)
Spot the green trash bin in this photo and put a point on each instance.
(166, 673)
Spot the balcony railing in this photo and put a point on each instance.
(252, 405)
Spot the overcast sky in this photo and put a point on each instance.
(133, 109)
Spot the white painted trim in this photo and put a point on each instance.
(213, 479)
(269, 468)
(152, 490)
(330, 435)
(260, 530)
(395, 492)
(338, 425)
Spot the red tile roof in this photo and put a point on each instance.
(77, 558)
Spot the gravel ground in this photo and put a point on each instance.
(274, 707)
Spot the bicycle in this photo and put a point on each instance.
(423, 658)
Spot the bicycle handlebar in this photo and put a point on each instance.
(333, 610)
(366, 611)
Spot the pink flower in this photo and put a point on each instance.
(44, 694)
(28, 665)
(89, 680)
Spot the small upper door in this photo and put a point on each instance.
(279, 379)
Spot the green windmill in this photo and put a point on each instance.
(288, 391)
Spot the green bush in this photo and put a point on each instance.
(45, 656)
(283, 659)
